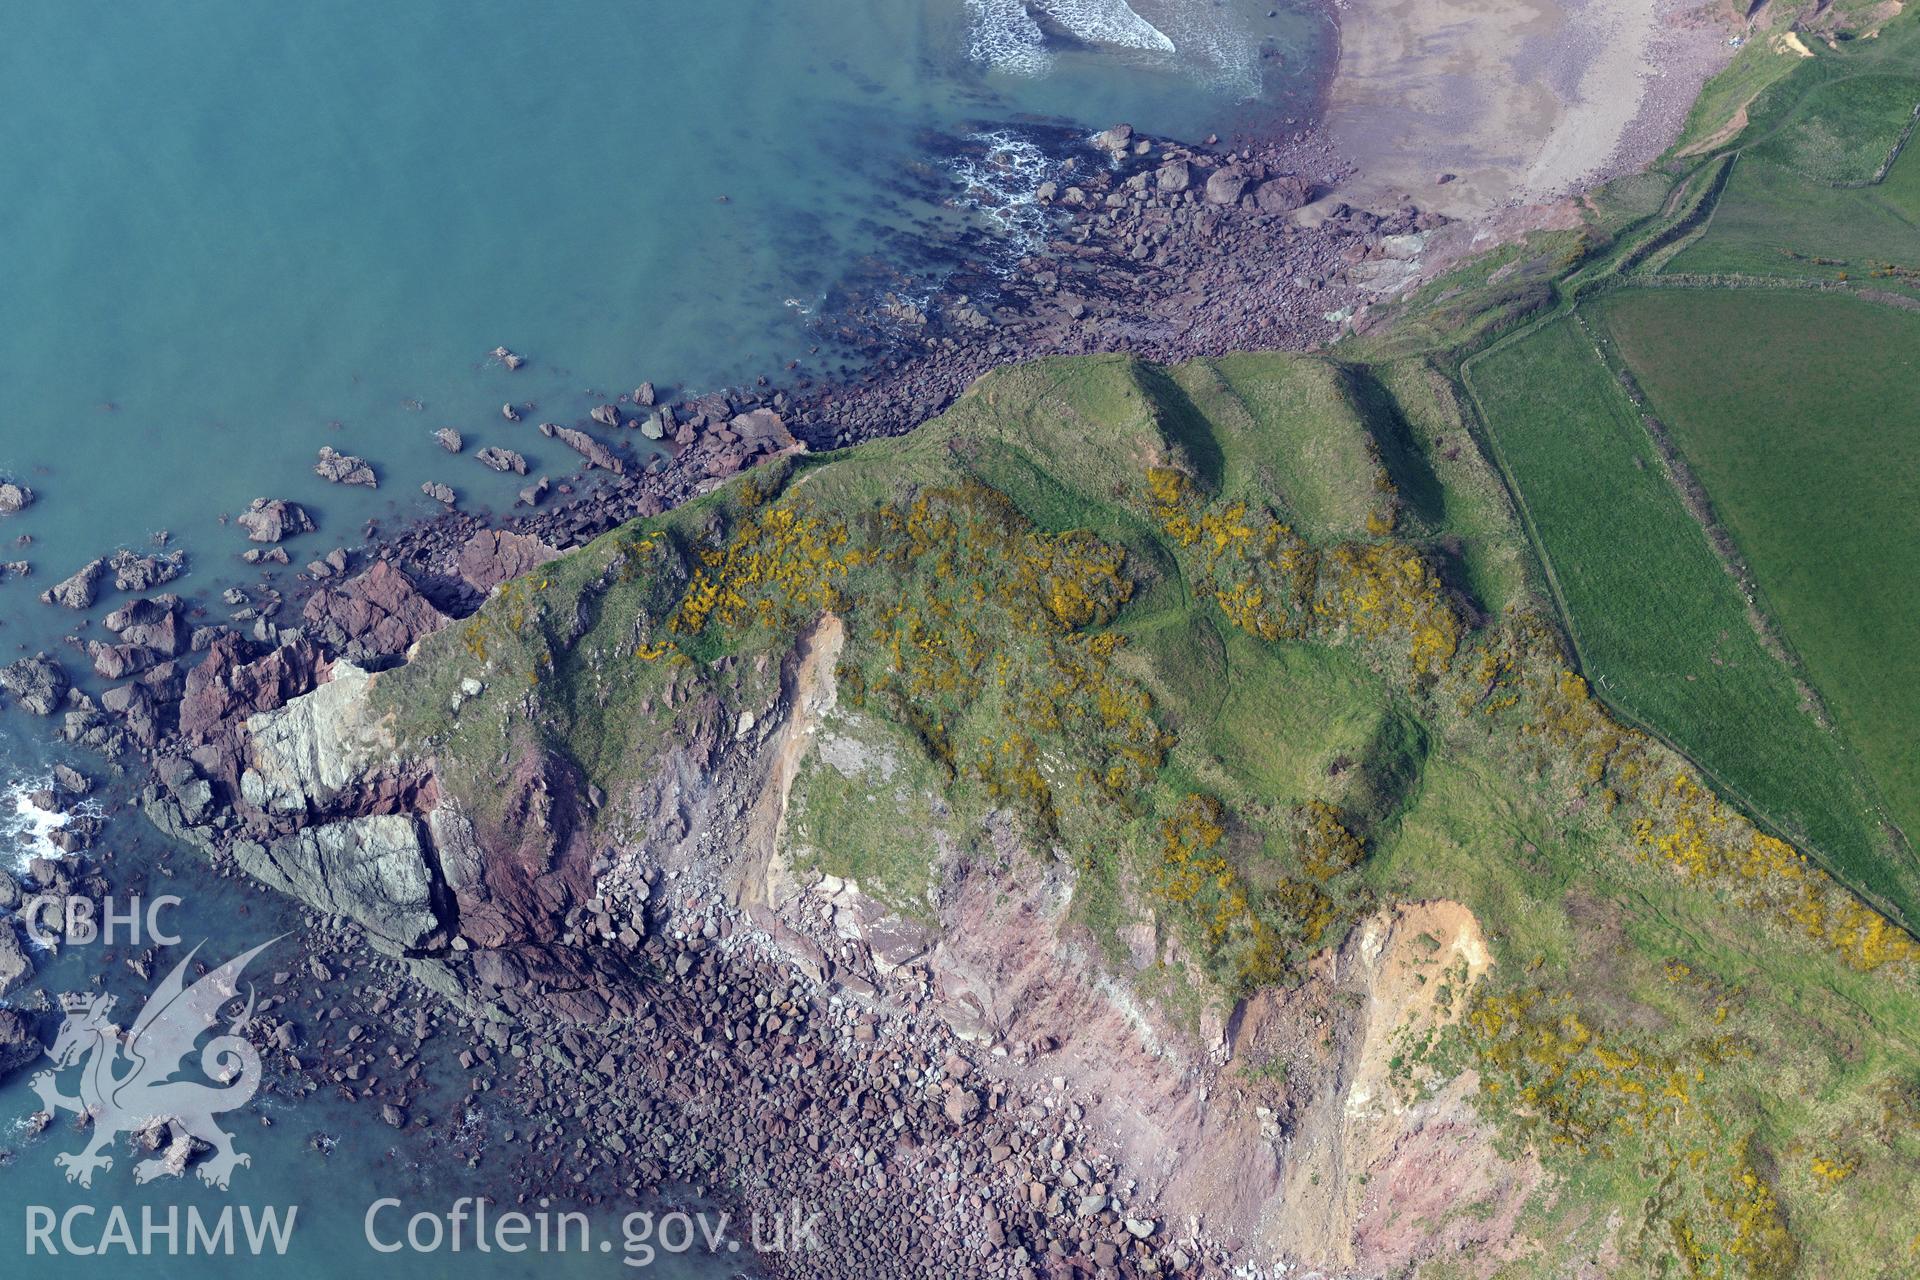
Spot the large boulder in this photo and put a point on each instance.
(39, 683)
(304, 756)
(1283, 194)
(271, 519)
(1226, 185)
(344, 468)
(15, 965)
(77, 592)
(14, 498)
(377, 614)
(762, 428)
(133, 572)
(502, 460)
(371, 870)
(596, 454)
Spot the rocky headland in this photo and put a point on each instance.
(673, 998)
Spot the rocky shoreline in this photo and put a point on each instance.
(1163, 250)
(673, 1036)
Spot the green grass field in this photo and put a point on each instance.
(1662, 629)
(1802, 418)
(1768, 214)
(1844, 130)
(1833, 121)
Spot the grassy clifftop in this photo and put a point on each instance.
(1241, 649)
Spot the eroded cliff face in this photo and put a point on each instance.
(1279, 1123)
(1285, 1121)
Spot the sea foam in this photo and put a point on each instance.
(1006, 37)
(1197, 37)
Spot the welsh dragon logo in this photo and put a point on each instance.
(127, 1083)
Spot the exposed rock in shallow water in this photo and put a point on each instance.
(38, 682)
(271, 519)
(15, 965)
(143, 573)
(149, 632)
(76, 592)
(449, 439)
(14, 498)
(344, 468)
(502, 460)
(596, 454)
(439, 492)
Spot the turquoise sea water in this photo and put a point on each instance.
(231, 233)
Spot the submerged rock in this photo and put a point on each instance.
(18, 1045)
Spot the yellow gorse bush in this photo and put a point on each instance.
(1271, 583)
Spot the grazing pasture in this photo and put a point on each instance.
(1801, 416)
(1663, 630)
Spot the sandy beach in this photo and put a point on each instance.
(1518, 100)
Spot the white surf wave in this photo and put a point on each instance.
(1006, 38)
(1001, 182)
(1200, 37)
(25, 827)
(1106, 22)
